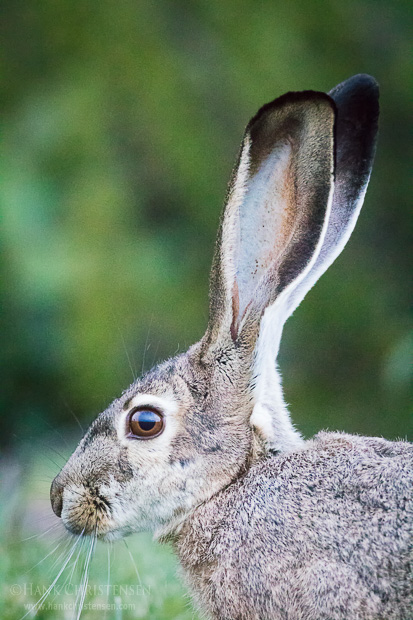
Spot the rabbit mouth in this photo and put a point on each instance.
(87, 512)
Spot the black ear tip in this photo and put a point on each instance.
(361, 82)
(359, 94)
(357, 102)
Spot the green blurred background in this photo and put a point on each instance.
(121, 122)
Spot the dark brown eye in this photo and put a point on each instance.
(145, 423)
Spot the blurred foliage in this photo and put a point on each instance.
(121, 122)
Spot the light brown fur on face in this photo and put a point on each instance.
(166, 477)
(266, 525)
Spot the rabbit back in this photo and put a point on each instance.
(324, 532)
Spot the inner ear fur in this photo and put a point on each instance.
(276, 210)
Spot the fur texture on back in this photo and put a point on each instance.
(337, 517)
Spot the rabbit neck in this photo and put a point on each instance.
(270, 417)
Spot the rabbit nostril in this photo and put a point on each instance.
(56, 497)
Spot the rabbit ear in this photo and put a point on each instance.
(276, 212)
(284, 223)
(355, 138)
(357, 101)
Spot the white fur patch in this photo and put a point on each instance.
(167, 404)
(261, 222)
(269, 402)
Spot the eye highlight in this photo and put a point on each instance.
(144, 423)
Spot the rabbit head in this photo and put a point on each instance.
(196, 422)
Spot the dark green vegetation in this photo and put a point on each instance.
(120, 127)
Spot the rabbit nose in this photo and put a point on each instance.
(56, 497)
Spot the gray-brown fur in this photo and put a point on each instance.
(266, 525)
(319, 534)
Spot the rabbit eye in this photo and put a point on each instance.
(145, 423)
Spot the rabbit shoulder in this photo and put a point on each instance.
(323, 532)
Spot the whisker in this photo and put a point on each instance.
(43, 421)
(85, 579)
(133, 562)
(64, 458)
(84, 544)
(63, 553)
(51, 464)
(156, 353)
(133, 371)
(73, 567)
(128, 357)
(69, 566)
(35, 607)
(59, 467)
(72, 413)
(49, 529)
(108, 583)
(146, 345)
(46, 556)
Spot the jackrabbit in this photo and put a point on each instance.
(201, 450)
